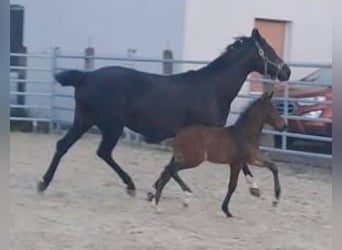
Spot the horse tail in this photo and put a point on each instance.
(72, 77)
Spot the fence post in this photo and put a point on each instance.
(167, 66)
(89, 62)
(53, 118)
(286, 114)
(267, 87)
(21, 86)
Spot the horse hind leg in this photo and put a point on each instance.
(110, 136)
(62, 146)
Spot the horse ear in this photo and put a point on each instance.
(255, 33)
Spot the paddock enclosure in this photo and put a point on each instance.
(86, 206)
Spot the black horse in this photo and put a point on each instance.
(158, 106)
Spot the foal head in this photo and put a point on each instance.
(272, 116)
(260, 112)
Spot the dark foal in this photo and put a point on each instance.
(236, 145)
(158, 106)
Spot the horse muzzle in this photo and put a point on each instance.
(284, 73)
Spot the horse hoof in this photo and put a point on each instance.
(41, 186)
(275, 203)
(130, 192)
(229, 215)
(226, 212)
(255, 192)
(150, 196)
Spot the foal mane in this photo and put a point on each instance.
(245, 114)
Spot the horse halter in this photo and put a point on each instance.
(267, 61)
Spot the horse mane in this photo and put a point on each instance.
(226, 57)
(239, 40)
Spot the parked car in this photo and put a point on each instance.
(308, 105)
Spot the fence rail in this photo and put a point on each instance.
(55, 62)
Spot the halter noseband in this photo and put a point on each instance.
(268, 61)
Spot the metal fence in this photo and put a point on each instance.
(46, 101)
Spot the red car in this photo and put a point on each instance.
(308, 104)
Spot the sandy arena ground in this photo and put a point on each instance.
(86, 206)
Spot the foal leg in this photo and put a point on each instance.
(273, 168)
(178, 179)
(175, 176)
(163, 179)
(110, 138)
(151, 194)
(253, 187)
(234, 176)
(62, 146)
(180, 182)
(187, 191)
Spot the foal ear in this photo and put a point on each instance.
(270, 95)
(264, 96)
(267, 96)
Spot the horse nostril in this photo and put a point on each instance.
(288, 72)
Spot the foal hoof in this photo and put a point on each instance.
(254, 191)
(150, 196)
(41, 186)
(130, 191)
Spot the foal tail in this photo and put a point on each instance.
(72, 77)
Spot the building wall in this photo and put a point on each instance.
(210, 26)
(111, 26)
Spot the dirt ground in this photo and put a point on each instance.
(86, 206)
